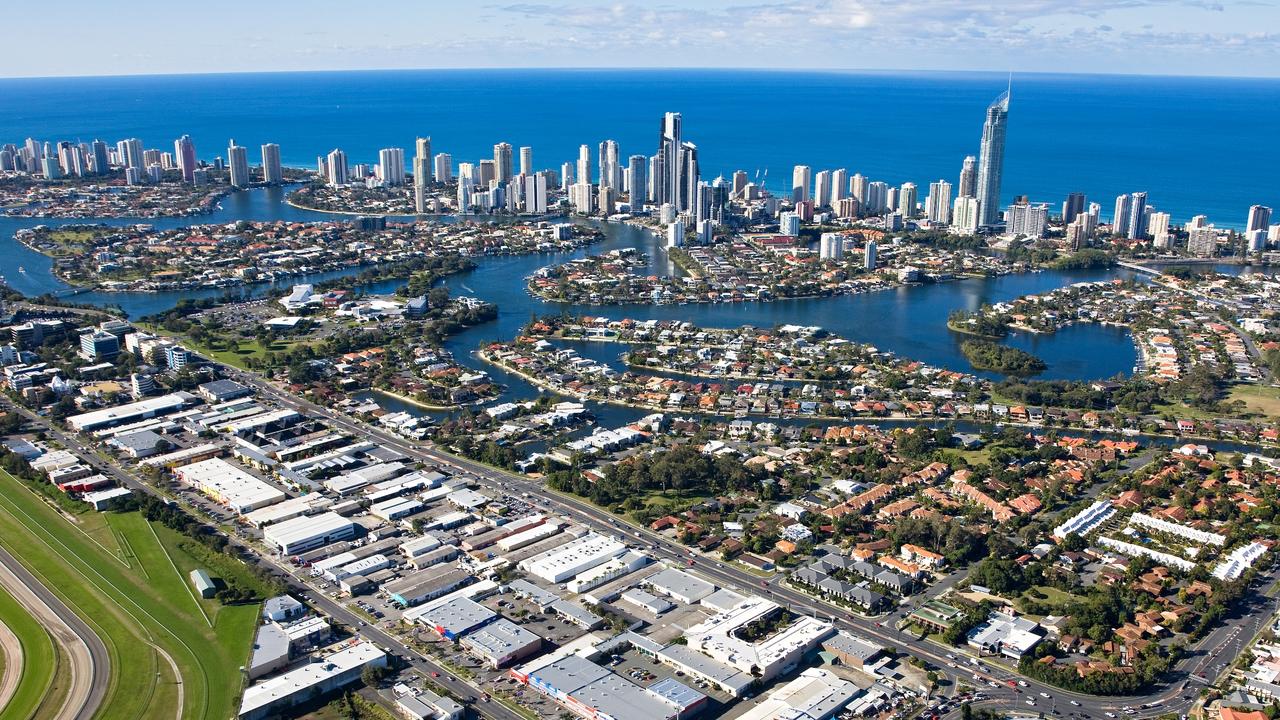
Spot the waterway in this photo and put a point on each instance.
(909, 321)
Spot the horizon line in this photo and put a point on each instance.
(681, 68)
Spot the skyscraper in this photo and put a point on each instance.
(391, 166)
(584, 165)
(822, 188)
(184, 149)
(908, 198)
(526, 161)
(666, 163)
(1259, 218)
(100, 162)
(238, 161)
(1136, 222)
(502, 161)
(637, 183)
(839, 185)
(1120, 219)
(800, 181)
(272, 172)
(610, 167)
(336, 167)
(1072, 206)
(443, 168)
(689, 176)
(858, 188)
(937, 206)
(422, 169)
(991, 160)
(968, 177)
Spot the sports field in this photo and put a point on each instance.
(136, 597)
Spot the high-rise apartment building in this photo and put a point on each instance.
(391, 166)
(636, 181)
(1259, 218)
(968, 177)
(908, 199)
(822, 189)
(502, 162)
(184, 151)
(336, 167)
(801, 180)
(272, 171)
(665, 173)
(964, 214)
(238, 161)
(526, 160)
(1072, 206)
(443, 168)
(937, 206)
(991, 160)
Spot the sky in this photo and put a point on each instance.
(1165, 37)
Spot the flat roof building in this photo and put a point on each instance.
(574, 557)
(501, 643)
(301, 534)
(132, 412)
(327, 674)
(816, 695)
(596, 693)
(770, 656)
(454, 618)
(680, 586)
(229, 485)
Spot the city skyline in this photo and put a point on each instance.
(1159, 37)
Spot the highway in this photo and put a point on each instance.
(86, 653)
(1175, 697)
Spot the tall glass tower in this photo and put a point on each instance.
(991, 160)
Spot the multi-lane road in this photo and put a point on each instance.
(1207, 657)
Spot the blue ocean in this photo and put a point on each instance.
(1196, 145)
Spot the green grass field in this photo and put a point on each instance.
(39, 659)
(1259, 399)
(144, 611)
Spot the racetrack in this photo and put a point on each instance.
(87, 655)
(11, 648)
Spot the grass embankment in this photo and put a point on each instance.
(137, 604)
(39, 662)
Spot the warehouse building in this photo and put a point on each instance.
(288, 510)
(594, 692)
(501, 643)
(586, 552)
(395, 508)
(329, 673)
(133, 412)
(428, 584)
(455, 617)
(229, 485)
(308, 533)
(680, 586)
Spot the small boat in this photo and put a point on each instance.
(22, 270)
